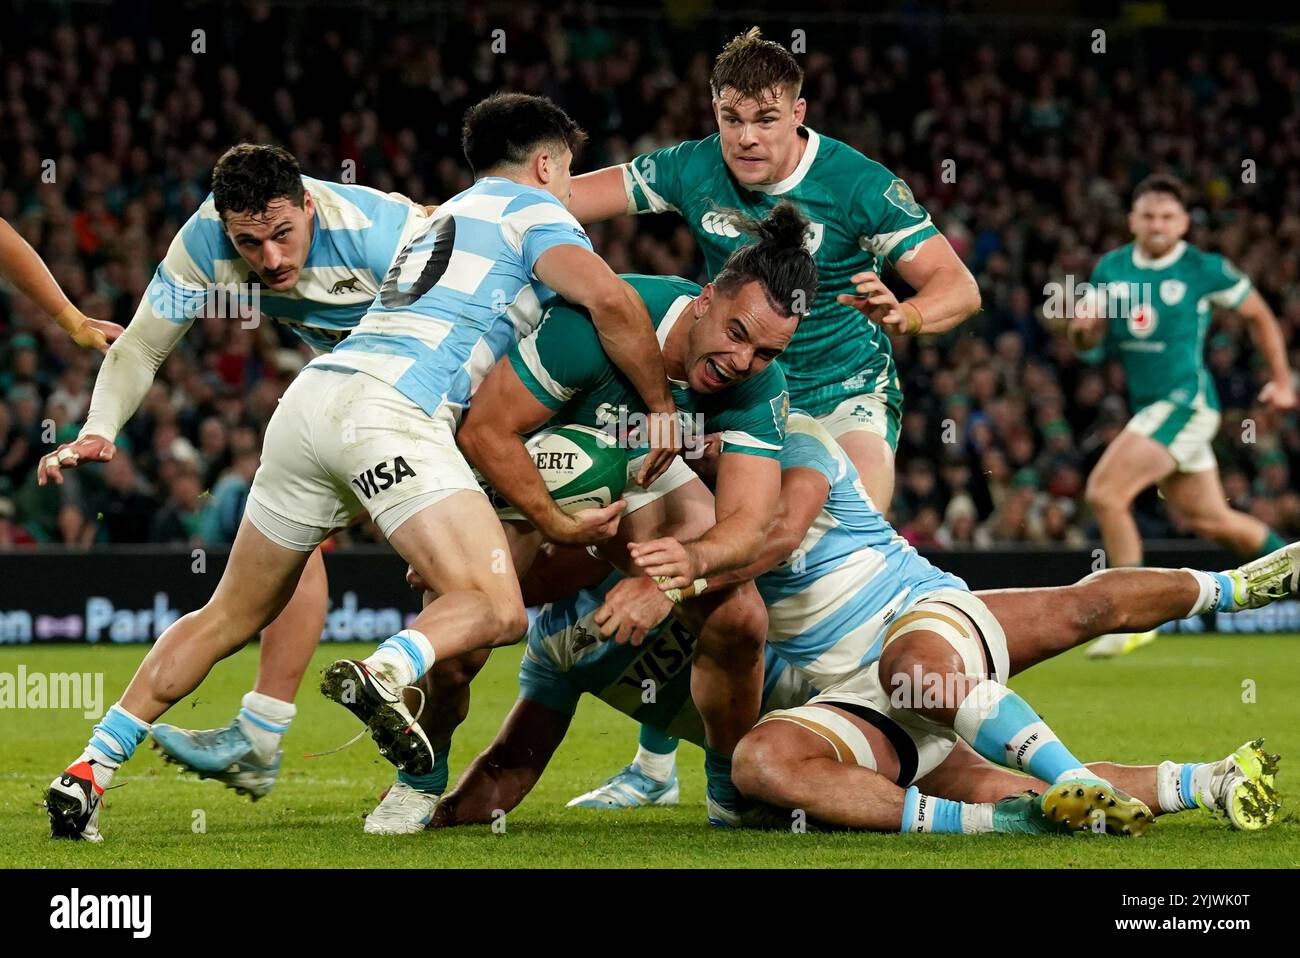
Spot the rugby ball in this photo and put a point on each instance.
(583, 468)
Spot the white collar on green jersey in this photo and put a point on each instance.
(1142, 261)
(800, 171)
(671, 315)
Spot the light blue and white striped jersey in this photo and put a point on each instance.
(460, 294)
(357, 233)
(565, 657)
(828, 604)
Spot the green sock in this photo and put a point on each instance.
(1272, 542)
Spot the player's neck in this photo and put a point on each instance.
(796, 157)
(1144, 257)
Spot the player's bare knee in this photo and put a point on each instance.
(918, 674)
(761, 766)
(739, 621)
(509, 622)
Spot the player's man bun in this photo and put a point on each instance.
(250, 176)
(505, 128)
(753, 67)
(1162, 183)
(778, 259)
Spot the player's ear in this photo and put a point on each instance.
(703, 300)
(308, 204)
(800, 109)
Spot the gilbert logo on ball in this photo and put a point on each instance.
(583, 468)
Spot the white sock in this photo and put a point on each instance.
(102, 768)
(403, 658)
(654, 765)
(1180, 786)
(1208, 598)
(976, 818)
(265, 720)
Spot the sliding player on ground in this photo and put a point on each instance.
(465, 288)
(873, 746)
(1154, 300)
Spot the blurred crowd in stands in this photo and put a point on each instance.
(1024, 152)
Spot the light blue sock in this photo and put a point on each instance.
(1001, 726)
(925, 813)
(1227, 601)
(117, 735)
(404, 657)
(435, 782)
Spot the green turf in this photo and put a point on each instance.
(1181, 698)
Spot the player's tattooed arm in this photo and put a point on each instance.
(745, 499)
(1279, 391)
(627, 336)
(601, 195)
(499, 779)
(491, 436)
(946, 292)
(21, 265)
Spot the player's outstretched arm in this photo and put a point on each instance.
(803, 495)
(1279, 391)
(123, 381)
(499, 779)
(746, 497)
(491, 436)
(626, 334)
(946, 292)
(600, 195)
(20, 264)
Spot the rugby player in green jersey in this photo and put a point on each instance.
(1150, 306)
(839, 365)
(719, 344)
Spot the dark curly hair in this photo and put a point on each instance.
(250, 176)
(506, 127)
(753, 66)
(778, 259)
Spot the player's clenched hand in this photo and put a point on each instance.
(586, 526)
(1279, 393)
(85, 332)
(72, 454)
(631, 609)
(96, 334)
(875, 301)
(665, 442)
(1086, 327)
(667, 561)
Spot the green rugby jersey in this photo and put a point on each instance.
(862, 216)
(564, 366)
(1158, 313)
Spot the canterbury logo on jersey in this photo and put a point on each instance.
(719, 224)
(383, 476)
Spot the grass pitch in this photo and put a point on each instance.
(1183, 698)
